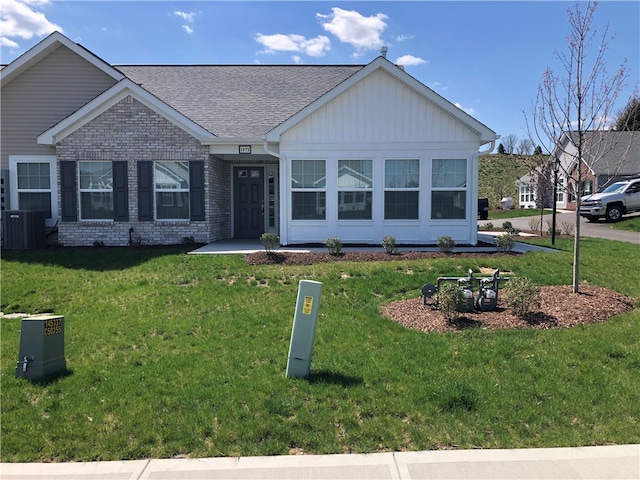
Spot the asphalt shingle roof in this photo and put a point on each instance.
(239, 100)
(614, 145)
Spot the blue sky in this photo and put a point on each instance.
(485, 57)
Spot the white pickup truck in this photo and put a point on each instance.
(618, 199)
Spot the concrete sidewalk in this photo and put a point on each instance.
(602, 463)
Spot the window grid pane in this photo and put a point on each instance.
(308, 205)
(96, 190)
(399, 205)
(402, 184)
(171, 183)
(308, 174)
(95, 176)
(448, 205)
(449, 173)
(33, 176)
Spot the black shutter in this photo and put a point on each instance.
(145, 191)
(196, 189)
(120, 192)
(68, 192)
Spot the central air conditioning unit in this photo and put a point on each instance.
(22, 229)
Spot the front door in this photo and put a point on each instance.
(248, 202)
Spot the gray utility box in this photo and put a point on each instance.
(22, 229)
(41, 347)
(304, 329)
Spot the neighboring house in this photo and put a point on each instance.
(608, 156)
(167, 153)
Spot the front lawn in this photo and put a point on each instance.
(170, 354)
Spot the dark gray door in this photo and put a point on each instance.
(248, 202)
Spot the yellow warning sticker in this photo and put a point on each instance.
(307, 305)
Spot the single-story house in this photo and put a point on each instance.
(209, 152)
(608, 156)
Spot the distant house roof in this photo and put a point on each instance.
(239, 100)
(604, 150)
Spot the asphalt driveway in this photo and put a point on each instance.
(599, 229)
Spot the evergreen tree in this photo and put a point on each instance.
(501, 149)
(629, 116)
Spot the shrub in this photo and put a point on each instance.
(504, 242)
(450, 300)
(567, 228)
(521, 296)
(509, 228)
(534, 224)
(334, 245)
(270, 241)
(446, 244)
(550, 228)
(389, 244)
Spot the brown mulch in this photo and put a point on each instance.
(559, 308)
(311, 258)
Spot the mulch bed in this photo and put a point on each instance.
(560, 307)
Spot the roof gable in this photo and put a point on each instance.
(44, 48)
(484, 134)
(605, 152)
(110, 98)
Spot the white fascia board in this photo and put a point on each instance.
(485, 134)
(44, 48)
(111, 97)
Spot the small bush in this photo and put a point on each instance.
(509, 228)
(488, 226)
(521, 296)
(567, 228)
(446, 244)
(334, 245)
(550, 228)
(534, 224)
(270, 241)
(504, 242)
(389, 244)
(450, 300)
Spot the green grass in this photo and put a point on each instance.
(630, 224)
(172, 354)
(516, 213)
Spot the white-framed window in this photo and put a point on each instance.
(171, 187)
(33, 185)
(355, 189)
(401, 189)
(560, 188)
(308, 189)
(526, 195)
(95, 180)
(449, 189)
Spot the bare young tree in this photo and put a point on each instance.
(509, 143)
(577, 103)
(525, 146)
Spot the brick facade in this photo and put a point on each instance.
(130, 131)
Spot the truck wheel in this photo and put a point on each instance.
(614, 213)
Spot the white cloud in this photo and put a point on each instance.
(186, 16)
(438, 86)
(469, 110)
(297, 59)
(278, 42)
(351, 27)
(187, 29)
(20, 19)
(409, 60)
(404, 38)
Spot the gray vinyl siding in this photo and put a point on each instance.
(44, 95)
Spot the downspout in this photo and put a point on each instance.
(474, 204)
(282, 199)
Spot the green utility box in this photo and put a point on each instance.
(304, 329)
(41, 347)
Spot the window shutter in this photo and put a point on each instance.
(68, 192)
(145, 191)
(196, 187)
(120, 192)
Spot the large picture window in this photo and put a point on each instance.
(171, 185)
(308, 185)
(401, 189)
(448, 189)
(96, 190)
(355, 183)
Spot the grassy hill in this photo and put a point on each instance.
(497, 176)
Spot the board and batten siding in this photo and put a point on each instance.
(379, 109)
(380, 118)
(42, 96)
